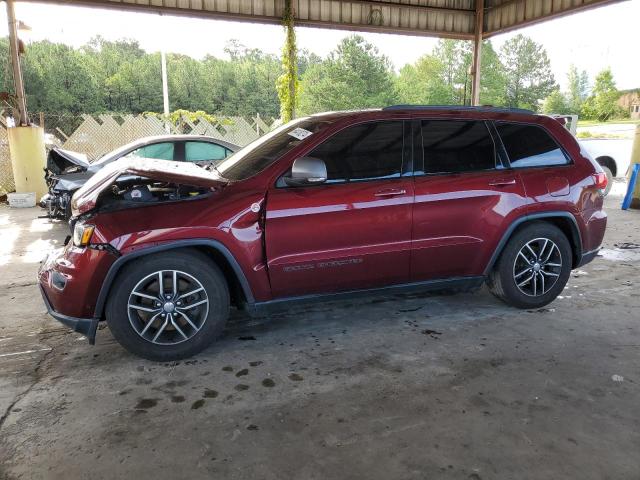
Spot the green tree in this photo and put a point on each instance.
(456, 57)
(577, 91)
(603, 102)
(423, 82)
(528, 72)
(355, 75)
(556, 103)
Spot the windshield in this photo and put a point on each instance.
(262, 152)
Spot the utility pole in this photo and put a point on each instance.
(15, 64)
(165, 91)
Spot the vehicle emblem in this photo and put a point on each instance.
(255, 207)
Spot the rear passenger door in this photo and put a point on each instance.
(464, 198)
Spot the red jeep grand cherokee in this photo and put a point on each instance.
(401, 198)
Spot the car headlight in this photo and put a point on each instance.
(82, 234)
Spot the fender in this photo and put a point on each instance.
(576, 240)
(196, 242)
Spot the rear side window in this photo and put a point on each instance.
(368, 151)
(204, 152)
(455, 146)
(530, 146)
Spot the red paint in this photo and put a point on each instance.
(329, 238)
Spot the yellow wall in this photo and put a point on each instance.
(28, 159)
(635, 158)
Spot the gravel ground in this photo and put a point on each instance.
(400, 387)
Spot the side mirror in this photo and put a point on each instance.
(307, 171)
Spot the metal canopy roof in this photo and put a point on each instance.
(441, 18)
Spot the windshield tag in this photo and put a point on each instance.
(300, 133)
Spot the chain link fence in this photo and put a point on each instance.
(95, 135)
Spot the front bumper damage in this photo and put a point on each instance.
(85, 326)
(70, 280)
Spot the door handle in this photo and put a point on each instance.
(390, 192)
(502, 183)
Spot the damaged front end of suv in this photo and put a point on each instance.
(77, 270)
(130, 182)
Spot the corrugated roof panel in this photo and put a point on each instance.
(448, 18)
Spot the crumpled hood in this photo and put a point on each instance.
(59, 160)
(160, 170)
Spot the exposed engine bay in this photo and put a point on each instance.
(131, 182)
(135, 192)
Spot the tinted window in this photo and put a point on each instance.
(204, 152)
(363, 152)
(530, 146)
(160, 151)
(453, 146)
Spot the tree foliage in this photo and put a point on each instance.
(354, 75)
(443, 77)
(528, 72)
(556, 103)
(578, 89)
(119, 76)
(602, 104)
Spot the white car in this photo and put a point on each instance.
(613, 155)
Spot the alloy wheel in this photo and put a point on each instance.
(537, 267)
(168, 307)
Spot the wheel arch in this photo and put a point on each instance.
(609, 162)
(238, 284)
(565, 221)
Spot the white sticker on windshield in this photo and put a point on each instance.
(300, 133)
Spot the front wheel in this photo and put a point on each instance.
(168, 307)
(533, 268)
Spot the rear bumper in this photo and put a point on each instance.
(85, 326)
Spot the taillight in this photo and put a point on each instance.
(600, 180)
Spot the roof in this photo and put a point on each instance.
(441, 18)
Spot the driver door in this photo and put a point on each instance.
(352, 231)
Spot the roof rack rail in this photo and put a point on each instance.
(485, 108)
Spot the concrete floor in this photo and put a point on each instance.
(402, 387)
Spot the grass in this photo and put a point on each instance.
(589, 134)
(592, 123)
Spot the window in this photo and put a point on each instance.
(367, 151)
(530, 146)
(204, 152)
(160, 151)
(455, 146)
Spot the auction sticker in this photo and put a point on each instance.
(300, 133)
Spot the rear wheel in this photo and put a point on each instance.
(170, 306)
(533, 268)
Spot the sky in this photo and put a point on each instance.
(592, 40)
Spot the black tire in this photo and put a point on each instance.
(192, 265)
(501, 279)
